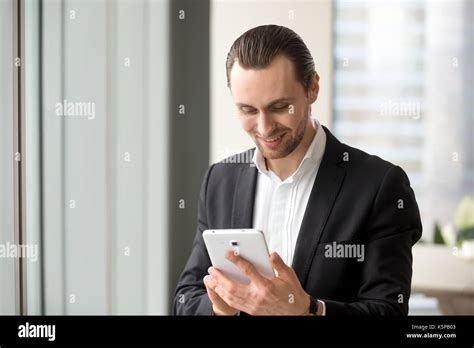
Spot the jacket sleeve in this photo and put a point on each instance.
(392, 228)
(190, 295)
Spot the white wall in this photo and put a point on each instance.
(311, 19)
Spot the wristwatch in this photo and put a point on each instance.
(313, 306)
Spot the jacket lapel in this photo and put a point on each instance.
(322, 198)
(242, 207)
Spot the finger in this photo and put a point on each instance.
(280, 266)
(219, 297)
(232, 288)
(209, 282)
(230, 299)
(210, 291)
(246, 268)
(213, 296)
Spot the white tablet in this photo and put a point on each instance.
(247, 243)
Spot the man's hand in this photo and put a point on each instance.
(219, 307)
(282, 295)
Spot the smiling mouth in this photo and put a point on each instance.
(272, 140)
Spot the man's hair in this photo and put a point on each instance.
(257, 47)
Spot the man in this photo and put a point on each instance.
(339, 223)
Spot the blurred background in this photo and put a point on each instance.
(111, 111)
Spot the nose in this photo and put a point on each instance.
(265, 125)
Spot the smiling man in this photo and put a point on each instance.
(339, 223)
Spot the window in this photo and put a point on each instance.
(403, 91)
(7, 265)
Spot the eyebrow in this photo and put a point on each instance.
(276, 101)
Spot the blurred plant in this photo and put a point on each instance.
(462, 227)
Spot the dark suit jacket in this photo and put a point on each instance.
(356, 198)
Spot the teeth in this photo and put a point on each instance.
(272, 140)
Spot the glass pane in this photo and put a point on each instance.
(7, 264)
(403, 91)
(105, 156)
(403, 87)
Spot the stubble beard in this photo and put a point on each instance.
(289, 145)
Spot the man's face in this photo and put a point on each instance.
(273, 107)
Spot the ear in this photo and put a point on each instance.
(313, 88)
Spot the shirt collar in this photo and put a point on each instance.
(313, 155)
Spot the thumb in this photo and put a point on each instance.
(278, 264)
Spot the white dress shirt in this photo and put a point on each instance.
(280, 205)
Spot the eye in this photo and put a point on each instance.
(247, 111)
(280, 108)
